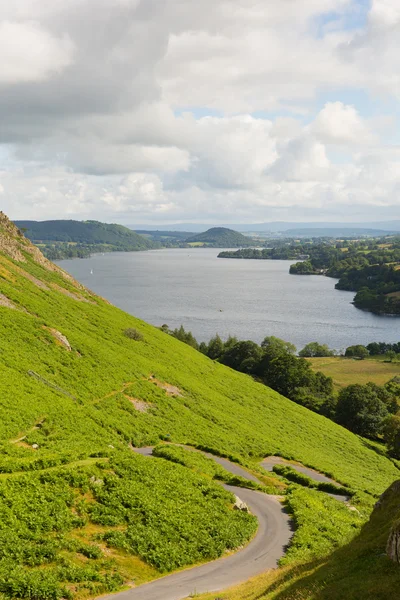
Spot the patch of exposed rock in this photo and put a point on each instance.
(4, 301)
(12, 242)
(60, 338)
(171, 390)
(139, 405)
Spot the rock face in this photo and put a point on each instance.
(389, 503)
(393, 545)
(240, 505)
(13, 242)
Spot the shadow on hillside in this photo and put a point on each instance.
(358, 571)
(371, 446)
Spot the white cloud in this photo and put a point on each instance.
(340, 124)
(147, 108)
(30, 53)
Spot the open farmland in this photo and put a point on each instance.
(346, 371)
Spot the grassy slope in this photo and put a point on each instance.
(91, 412)
(359, 570)
(218, 408)
(345, 371)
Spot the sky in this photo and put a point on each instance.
(219, 111)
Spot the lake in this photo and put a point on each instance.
(247, 298)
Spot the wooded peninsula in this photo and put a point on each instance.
(370, 267)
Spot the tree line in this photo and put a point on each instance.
(368, 410)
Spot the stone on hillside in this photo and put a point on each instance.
(240, 505)
(61, 339)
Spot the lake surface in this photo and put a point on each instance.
(247, 298)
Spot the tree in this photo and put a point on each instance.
(315, 349)
(203, 348)
(302, 268)
(390, 355)
(360, 410)
(243, 356)
(276, 346)
(185, 336)
(393, 386)
(357, 351)
(391, 435)
(231, 341)
(285, 373)
(215, 347)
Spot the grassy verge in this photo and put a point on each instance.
(203, 465)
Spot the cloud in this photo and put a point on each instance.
(29, 53)
(173, 109)
(340, 124)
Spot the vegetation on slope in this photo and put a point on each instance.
(70, 239)
(76, 393)
(359, 570)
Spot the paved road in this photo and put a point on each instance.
(262, 553)
(269, 463)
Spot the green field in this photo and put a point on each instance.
(346, 371)
(72, 407)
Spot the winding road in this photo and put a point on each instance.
(262, 553)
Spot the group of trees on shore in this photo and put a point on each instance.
(368, 410)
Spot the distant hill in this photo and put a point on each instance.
(272, 227)
(221, 237)
(335, 232)
(166, 238)
(69, 239)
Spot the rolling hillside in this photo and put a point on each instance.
(57, 237)
(81, 383)
(220, 237)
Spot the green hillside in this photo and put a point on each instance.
(220, 237)
(360, 570)
(81, 383)
(65, 239)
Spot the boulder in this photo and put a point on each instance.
(240, 505)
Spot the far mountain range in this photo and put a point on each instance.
(279, 227)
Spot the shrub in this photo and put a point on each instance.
(133, 334)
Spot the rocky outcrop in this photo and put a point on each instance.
(13, 244)
(393, 545)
